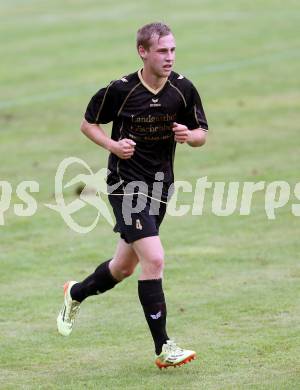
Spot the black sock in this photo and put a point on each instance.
(97, 283)
(153, 301)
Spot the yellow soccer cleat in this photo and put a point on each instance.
(173, 356)
(69, 311)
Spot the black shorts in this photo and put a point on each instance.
(132, 225)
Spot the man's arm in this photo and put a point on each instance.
(193, 138)
(124, 148)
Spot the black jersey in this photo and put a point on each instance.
(146, 116)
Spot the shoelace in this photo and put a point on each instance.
(172, 347)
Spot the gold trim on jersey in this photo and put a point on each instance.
(102, 104)
(125, 100)
(196, 118)
(154, 91)
(180, 93)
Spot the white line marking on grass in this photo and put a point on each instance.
(214, 68)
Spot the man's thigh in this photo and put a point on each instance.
(125, 252)
(149, 249)
(151, 257)
(124, 260)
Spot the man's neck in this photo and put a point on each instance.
(153, 81)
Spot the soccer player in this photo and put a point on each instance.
(152, 110)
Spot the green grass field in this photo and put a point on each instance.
(232, 283)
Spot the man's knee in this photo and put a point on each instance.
(120, 270)
(126, 271)
(156, 262)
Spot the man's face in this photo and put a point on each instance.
(160, 57)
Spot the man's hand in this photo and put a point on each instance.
(124, 148)
(181, 133)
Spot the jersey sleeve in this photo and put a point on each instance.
(194, 115)
(103, 107)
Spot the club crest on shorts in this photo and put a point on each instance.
(138, 225)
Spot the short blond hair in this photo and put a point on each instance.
(147, 32)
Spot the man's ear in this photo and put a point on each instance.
(142, 52)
